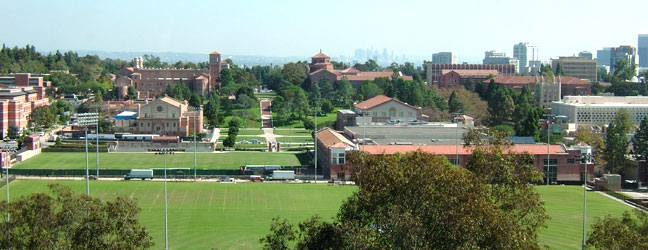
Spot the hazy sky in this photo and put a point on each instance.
(301, 28)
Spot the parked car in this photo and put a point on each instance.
(255, 178)
(227, 181)
(255, 141)
(6, 139)
(417, 122)
(41, 133)
(244, 142)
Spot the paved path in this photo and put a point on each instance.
(266, 113)
(215, 135)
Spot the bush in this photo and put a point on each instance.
(509, 130)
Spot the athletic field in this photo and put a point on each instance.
(227, 160)
(234, 216)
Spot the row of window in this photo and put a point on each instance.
(148, 124)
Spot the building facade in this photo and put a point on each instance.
(497, 57)
(444, 58)
(576, 66)
(603, 56)
(331, 154)
(547, 90)
(600, 110)
(382, 108)
(322, 68)
(151, 82)
(625, 52)
(525, 52)
(642, 44)
(168, 116)
(453, 78)
(16, 105)
(586, 54)
(434, 71)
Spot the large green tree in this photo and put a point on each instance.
(454, 104)
(42, 117)
(640, 141)
(294, 73)
(630, 232)
(420, 201)
(369, 89)
(66, 220)
(501, 107)
(616, 143)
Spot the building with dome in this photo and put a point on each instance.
(322, 68)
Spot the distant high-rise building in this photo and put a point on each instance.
(575, 66)
(585, 54)
(643, 50)
(444, 58)
(525, 52)
(625, 52)
(603, 56)
(497, 57)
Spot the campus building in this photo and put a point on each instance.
(497, 57)
(322, 68)
(23, 80)
(600, 110)
(625, 52)
(642, 44)
(524, 53)
(16, 105)
(435, 71)
(444, 58)
(150, 82)
(576, 66)
(382, 108)
(167, 116)
(453, 78)
(547, 89)
(331, 154)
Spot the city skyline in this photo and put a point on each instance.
(293, 28)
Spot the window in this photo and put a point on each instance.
(375, 114)
(142, 124)
(174, 124)
(400, 114)
(570, 161)
(384, 114)
(172, 115)
(157, 128)
(341, 158)
(167, 125)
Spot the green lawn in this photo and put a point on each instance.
(253, 116)
(242, 131)
(292, 132)
(211, 215)
(294, 139)
(208, 215)
(265, 95)
(321, 120)
(228, 160)
(565, 206)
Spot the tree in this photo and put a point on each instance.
(308, 123)
(72, 221)
(369, 89)
(616, 144)
(327, 106)
(588, 136)
(454, 104)
(640, 141)
(501, 107)
(529, 126)
(420, 201)
(622, 119)
(628, 232)
(13, 132)
(315, 96)
(105, 125)
(229, 141)
(42, 117)
(195, 100)
(226, 77)
(345, 93)
(295, 73)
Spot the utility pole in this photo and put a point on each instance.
(315, 112)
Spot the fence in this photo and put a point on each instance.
(176, 173)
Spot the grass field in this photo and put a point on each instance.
(225, 216)
(565, 206)
(321, 120)
(253, 116)
(242, 131)
(212, 215)
(292, 132)
(229, 160)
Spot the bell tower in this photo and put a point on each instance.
(214, 68)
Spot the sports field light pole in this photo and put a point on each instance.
(165, 152)
(195, 142)
(315, 112)
(85, 120)
(364, 120)
(586, 158)
(8, 216)
(550, 118)
(457, 137)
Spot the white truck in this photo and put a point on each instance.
(282, 175)
(139, 173)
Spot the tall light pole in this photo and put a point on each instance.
(85, 120)
(315, 112)
(195, 141)
(364, 120)
(550, 118)
(7, 189)
(587, 158)
(97, 146)
(456, 137)
(165, 152)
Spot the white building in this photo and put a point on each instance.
(600, 110)
(444, 58)
(525, 52)
(498, 57)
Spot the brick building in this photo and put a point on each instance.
(547, 89)
(23, 80)
(452, 78)
(168, 116)
(434, 71)
(382, 108)
(322, 68)
(331, 153)
(16, 105)
(150, 82)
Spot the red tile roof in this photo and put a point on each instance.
(471, 72)
(373, 102)
(514, 79)
(572, 80)
(330, 138)
(321, 55)
(171, 101)
(214, 53)
(451, 149)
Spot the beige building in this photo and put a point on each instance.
(382, 108)
(576, 66)
(168, 116)
(600, 110)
